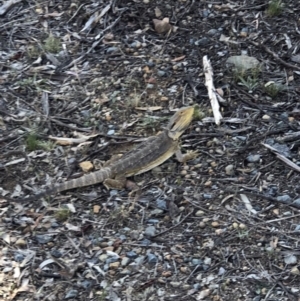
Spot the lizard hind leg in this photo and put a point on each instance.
(117, 183)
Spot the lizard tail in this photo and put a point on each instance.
(86, 180)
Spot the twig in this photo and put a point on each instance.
(275, 56)
(208, 71)
(282, 158)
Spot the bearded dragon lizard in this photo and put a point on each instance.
(151, 153)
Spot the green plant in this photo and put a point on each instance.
(33, 143)
(275, 8)
(52, 44)
(272, 89)
(198, 114)
(62, 214)
(243, 234)
(251, 83)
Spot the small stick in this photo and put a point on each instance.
(213, 95)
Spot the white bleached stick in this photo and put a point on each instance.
(209, 83)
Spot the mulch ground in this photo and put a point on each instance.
(81, 81)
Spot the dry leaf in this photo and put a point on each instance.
(162, 26)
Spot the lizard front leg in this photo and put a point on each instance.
(185, 157)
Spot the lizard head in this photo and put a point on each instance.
(179, 122)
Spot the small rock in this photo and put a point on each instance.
(196, 261)
(199, 213)
(175, 284)
(112, 49)
(253, 158)
(202, 42)
(229, 170)
(20, 242)
(125, 261)
(284, 198)
(150, 231)
(295, 271)
(242, 226)
(152, 221)
(139, 260)
(161, 73)
(43, 239)
(71, 294)
(184, 269)
(103, 257)
(55, 253)
(215, 224)
(161, 204)
(243, 62)
(111, 132)
(202, 225)
(266, 117)
(297, 228)
(19, 257)
(297, 202)
(283, 149)
(152, 258)
(207, 260)
(114, 265)
(149, 86)
(212, 32)
(219, 231)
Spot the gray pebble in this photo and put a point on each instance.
(161, 204)
(212, 32)
(150, 231)
(86, 284)
(297, 202)
(297, 228)
(161, 73)
(152, 221)
(112, 49)
(205, 13)
(196, 261)
(149, 86)
(139, 260)
(202, 42)
(284, 198)
(125, 261)
(253, 158)
(71, 294)
(229, 170)
(43, 239)
(152, 258)
(131, 254)
(110, 132)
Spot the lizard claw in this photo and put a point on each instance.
(190, 155)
